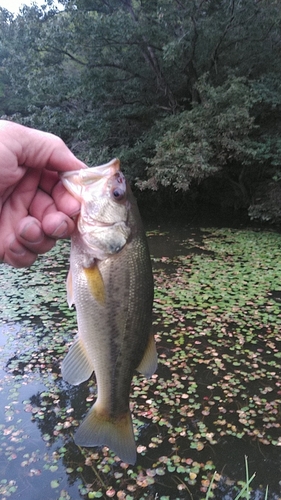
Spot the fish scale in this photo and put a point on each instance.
(111, 284)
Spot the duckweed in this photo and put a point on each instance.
(215, 397)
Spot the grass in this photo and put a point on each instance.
(245, 492)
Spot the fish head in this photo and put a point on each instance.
(104, 197)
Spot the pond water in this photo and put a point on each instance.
(215, 398)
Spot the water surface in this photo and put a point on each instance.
(215, 398)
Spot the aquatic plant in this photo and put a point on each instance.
(215, 397)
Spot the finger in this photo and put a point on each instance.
(58, 225)
(52, 197)
(21, 249)
(13, 211)
(65, 202)
(16, 255)
(30, 234)
(18, 198)
(54, 223)
(31, 238)
(37, 149)
(41, 237)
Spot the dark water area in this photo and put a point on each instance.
(179, 224)
(194, 214)
(215, 398)
(175, 229)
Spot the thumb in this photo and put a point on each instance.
(36, 149)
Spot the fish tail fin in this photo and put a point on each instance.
(99, 429)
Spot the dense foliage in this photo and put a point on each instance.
(182, 91)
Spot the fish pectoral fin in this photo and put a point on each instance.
(69, 289)
(95, 283)
(76, 367)
(98, 429)
(148, 364)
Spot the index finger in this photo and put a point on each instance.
(36, 149)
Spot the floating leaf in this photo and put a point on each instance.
(54, 484)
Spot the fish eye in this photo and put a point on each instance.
(118, 194)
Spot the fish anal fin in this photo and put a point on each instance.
(148, 364)
(99, 429)
(95, 283)
(76, 367)
(69, 289)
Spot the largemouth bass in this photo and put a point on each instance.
(110, 282)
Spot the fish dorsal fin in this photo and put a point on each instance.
(95, 283)
(76, 367)
(69, 288)
(148, 364)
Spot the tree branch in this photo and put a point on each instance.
(89, 64)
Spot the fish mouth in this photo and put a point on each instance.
(77, 181)
(88, 175)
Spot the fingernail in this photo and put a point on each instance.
(77, 212)
(61, 230)
(17, 248)
(32, 233)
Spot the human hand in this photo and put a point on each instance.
(35, 208)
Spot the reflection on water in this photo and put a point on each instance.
(32, 452)
(215, 397)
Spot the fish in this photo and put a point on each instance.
(110, 281)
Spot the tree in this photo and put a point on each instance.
(179, 89)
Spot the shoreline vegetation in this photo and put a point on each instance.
(186, 94)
